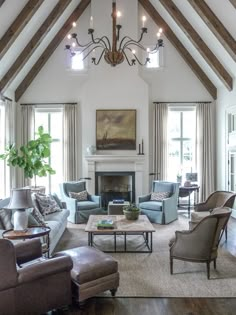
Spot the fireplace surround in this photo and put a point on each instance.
(117, 165)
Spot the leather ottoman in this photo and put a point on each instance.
(93, 272)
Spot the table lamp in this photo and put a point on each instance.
(20, 201)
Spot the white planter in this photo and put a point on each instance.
(20, 220)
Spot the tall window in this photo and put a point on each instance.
(51, 120)
(181, 142)
(2, 148)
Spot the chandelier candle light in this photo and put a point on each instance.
(115, 51)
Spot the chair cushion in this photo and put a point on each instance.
(87, 205)
(151, 205)
(160, 195)
(198, 216)
(90, 264)
(81, 196)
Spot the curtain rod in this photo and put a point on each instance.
(3, 98)
(183, 102)
(48, 103)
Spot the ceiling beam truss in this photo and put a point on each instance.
(150, 9)
(199, 44)
(215, 26)
(17, 26)
(233, 3)
(33, 44)
(1, 2)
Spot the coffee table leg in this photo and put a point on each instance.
(125, 241)
(115, 242)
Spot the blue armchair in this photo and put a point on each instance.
(79, 210)
(161, 211)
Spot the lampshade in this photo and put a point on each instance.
(20, 199)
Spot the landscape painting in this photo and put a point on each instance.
(116, 129)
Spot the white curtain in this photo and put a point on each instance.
(70, 145)
(206, 148)
(160, 141)
(27, 133)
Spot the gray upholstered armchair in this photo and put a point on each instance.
(200, 244)
(161, 211)
(79, 209)
(35, 288)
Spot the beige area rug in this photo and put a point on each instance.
(148, 274)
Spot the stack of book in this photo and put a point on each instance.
(119, 201)
(105, 224)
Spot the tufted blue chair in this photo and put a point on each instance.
(164, 211)
(79, 210)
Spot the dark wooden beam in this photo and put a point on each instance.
(233, 3)
(215, 26)
(17, 26)
(179, 47)
(33, 44)
(200, 45)
(1, 2)
(50, 49)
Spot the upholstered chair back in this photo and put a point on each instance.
(163, 187)
(74, 187)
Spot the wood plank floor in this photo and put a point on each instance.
(164, 306)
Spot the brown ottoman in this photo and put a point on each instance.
(93, 272)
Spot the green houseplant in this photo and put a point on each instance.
(31, 156)
(131, 212)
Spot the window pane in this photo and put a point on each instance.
(189, 124)
(2, 148)
(174, 124)
(174, 162)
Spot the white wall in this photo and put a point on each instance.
(122, 87)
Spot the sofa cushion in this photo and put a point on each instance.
(151, 205)
(47, 204)
(57, 199)
(58, 216)
(80, 196)
(55, 227)
(5, 217)
(160, 195)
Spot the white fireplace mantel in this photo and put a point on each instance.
(117, 163)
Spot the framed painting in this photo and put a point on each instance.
(116, 129)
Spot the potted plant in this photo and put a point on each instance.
(131, 212)
(31, 157)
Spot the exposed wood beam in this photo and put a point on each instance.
(200, 45)
(17, 26)
(233, 3)
(180, 47)
(50, 49)
(215, 26)
(1, 2)
(33, 44)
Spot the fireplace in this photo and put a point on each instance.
(128, 170)
(115, 185)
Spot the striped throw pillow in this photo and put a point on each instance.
(80, 196)
(160, 195)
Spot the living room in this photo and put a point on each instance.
(41, 87)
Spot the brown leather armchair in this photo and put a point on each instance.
(34, 288)
(201, 243)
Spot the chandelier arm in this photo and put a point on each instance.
(127, 59)
(136, 58)
(96, 63)
(106, 43)
(89, 52)
(135, 44)
(80, 45)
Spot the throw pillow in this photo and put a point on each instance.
(35, 218)
(57, 199)
(1, 225)
(5, 217)
(160, 195)
(47, 204)
(80, 196)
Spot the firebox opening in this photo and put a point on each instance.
(115, 185)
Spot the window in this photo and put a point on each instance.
(2, 148)
(51, 120)
(154, 60)
(77, 62)
(181, 142)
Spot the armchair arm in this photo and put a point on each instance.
(201, 207)
(28, 250)
(44, 269)
(144, 198)
(94, 198)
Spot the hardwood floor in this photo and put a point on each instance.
(164, 306)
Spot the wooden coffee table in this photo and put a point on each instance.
(124, 227)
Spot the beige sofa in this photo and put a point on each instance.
(57, 221)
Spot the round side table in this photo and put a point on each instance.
(31, 232)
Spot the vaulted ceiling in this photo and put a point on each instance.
(202, 31)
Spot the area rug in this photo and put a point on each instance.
(148, 274)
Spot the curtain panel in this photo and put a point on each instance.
(160, 140)
(70, 145)
(206, 148)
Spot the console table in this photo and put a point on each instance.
(186, 192)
